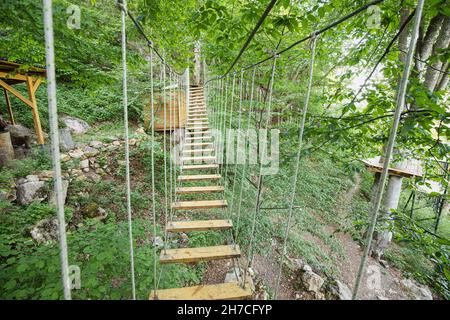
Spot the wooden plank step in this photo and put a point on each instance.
(199, 177)
(199, 128)
(197, 144)
(198, 225)
(196, 123)
(190, 190)
(221, 291)
(189, 255)
(192, 151)
(200, 167)
(198, 159)
(198, 138)
(196, 133)
(199, 204)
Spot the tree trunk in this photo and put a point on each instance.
(442, 42)
(382, 239)
(197, 64)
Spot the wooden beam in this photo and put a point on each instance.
(8, 107)
(18, 76)
(16, 93)
(37, 121)
(36, 84)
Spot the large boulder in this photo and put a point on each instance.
(77, 126)
(21, 135)
(52, 193)
(339, 290)
(30, 190)
(311, 281)
(416, 291)
(65, 139)
(45, 231)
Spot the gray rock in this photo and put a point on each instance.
(64, 157)
(307, 268)
(52, 194)
(29, 192)
(32, 177)
(90, 151)
(45, 231)
(158, 242)
(231, 275)
(77, 153)
(340, 291)
(21, 135)
(94, 177)
(46, 175)
(312, 281)
(8, 195)
(84, 164)
(77, 126)
(96, 144)
(65, 139)
(417, 291)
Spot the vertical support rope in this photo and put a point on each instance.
(236, 158)
(260, 176)
(165, 156)
(229, 131)
(54, 134)
(222, 127)
(297, 162)
(152, 106)
(391, 142)
(127, 147)
(244, 169)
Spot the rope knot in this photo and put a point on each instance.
(121, 5)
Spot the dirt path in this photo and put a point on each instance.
(378, 282)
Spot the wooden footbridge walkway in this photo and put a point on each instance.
(198, 188)
(199, 166)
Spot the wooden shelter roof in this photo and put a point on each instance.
(409, 168)
(12, 72)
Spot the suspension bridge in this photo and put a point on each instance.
(196, 181)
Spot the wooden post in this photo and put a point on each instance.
(37, 121)
(8, 106)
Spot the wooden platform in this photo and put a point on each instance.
(222, 291)
(198, 225)
(190, 255)
(199, 204)
(408, 169)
